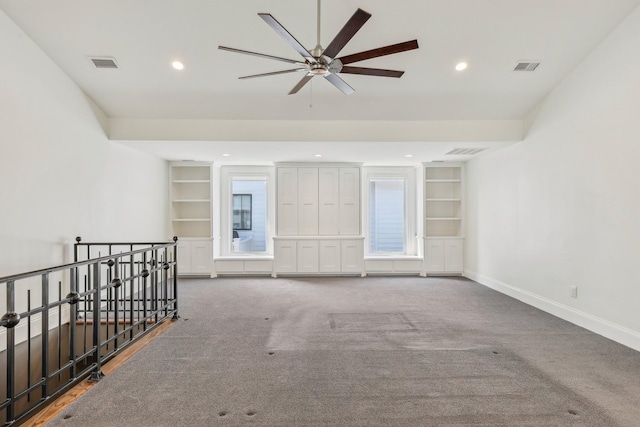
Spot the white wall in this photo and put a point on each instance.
(59, 175)
(562, 208)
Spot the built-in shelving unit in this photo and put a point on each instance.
(443, 216)
(443, 201)
(191, 215)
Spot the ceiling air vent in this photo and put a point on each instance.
(464, 151)
(105, 62)
(526, 66)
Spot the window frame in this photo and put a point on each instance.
(243, 212)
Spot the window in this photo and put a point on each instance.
(246, 202)
(386, 216)
(242, 212)
(389, 198)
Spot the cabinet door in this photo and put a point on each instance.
(307, 256)
(184, 257)
(329, 256)
(285, 260)
(453, 255)
(287, 201)
(328, 201)
(352, 256)
(308, 201)
(349, 201)
(434, 253)
(201, 256)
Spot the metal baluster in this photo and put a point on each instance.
(29, 345)
(97, 373)
(117, 283)
(59, 331)
(45, 334)
(73, 316)
(131, 296)
(165, 282)
(145, 275)
(154, 286)
(85, 311)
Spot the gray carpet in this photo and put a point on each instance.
(364, 352)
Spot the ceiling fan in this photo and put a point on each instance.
(323, 61)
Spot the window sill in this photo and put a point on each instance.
(248, 257)
(392, 257)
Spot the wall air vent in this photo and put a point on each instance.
(104, 62)
(464, 151)
(526, 66)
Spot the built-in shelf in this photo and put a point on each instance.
(443, 216)
(190, 201)
(443, 200)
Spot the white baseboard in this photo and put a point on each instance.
(607, 329)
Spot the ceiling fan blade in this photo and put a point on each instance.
(381, 51)
(273, 73)
(301, 83)
(346, 33)
(340, 84)
(273, 23)
(371, 71)
(261, 55)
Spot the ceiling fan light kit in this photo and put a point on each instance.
(324, 62)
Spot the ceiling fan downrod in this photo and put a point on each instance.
(318, 50)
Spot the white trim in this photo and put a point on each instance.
(613, 331)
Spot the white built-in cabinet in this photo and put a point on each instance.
(444, 255)
(318, 201)
(190, 212)
(318, 255)
(318, 219)
(194, 256)
(443, 216)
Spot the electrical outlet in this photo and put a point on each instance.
(574, 291)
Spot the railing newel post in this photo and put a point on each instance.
(10, 320)
(175, 279)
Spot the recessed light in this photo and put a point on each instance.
(408, 155)
(461, 66)
(226, 155)
(317, 155)
(177, 65)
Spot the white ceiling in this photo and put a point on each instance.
(145, 36)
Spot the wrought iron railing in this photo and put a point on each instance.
(62, 323)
